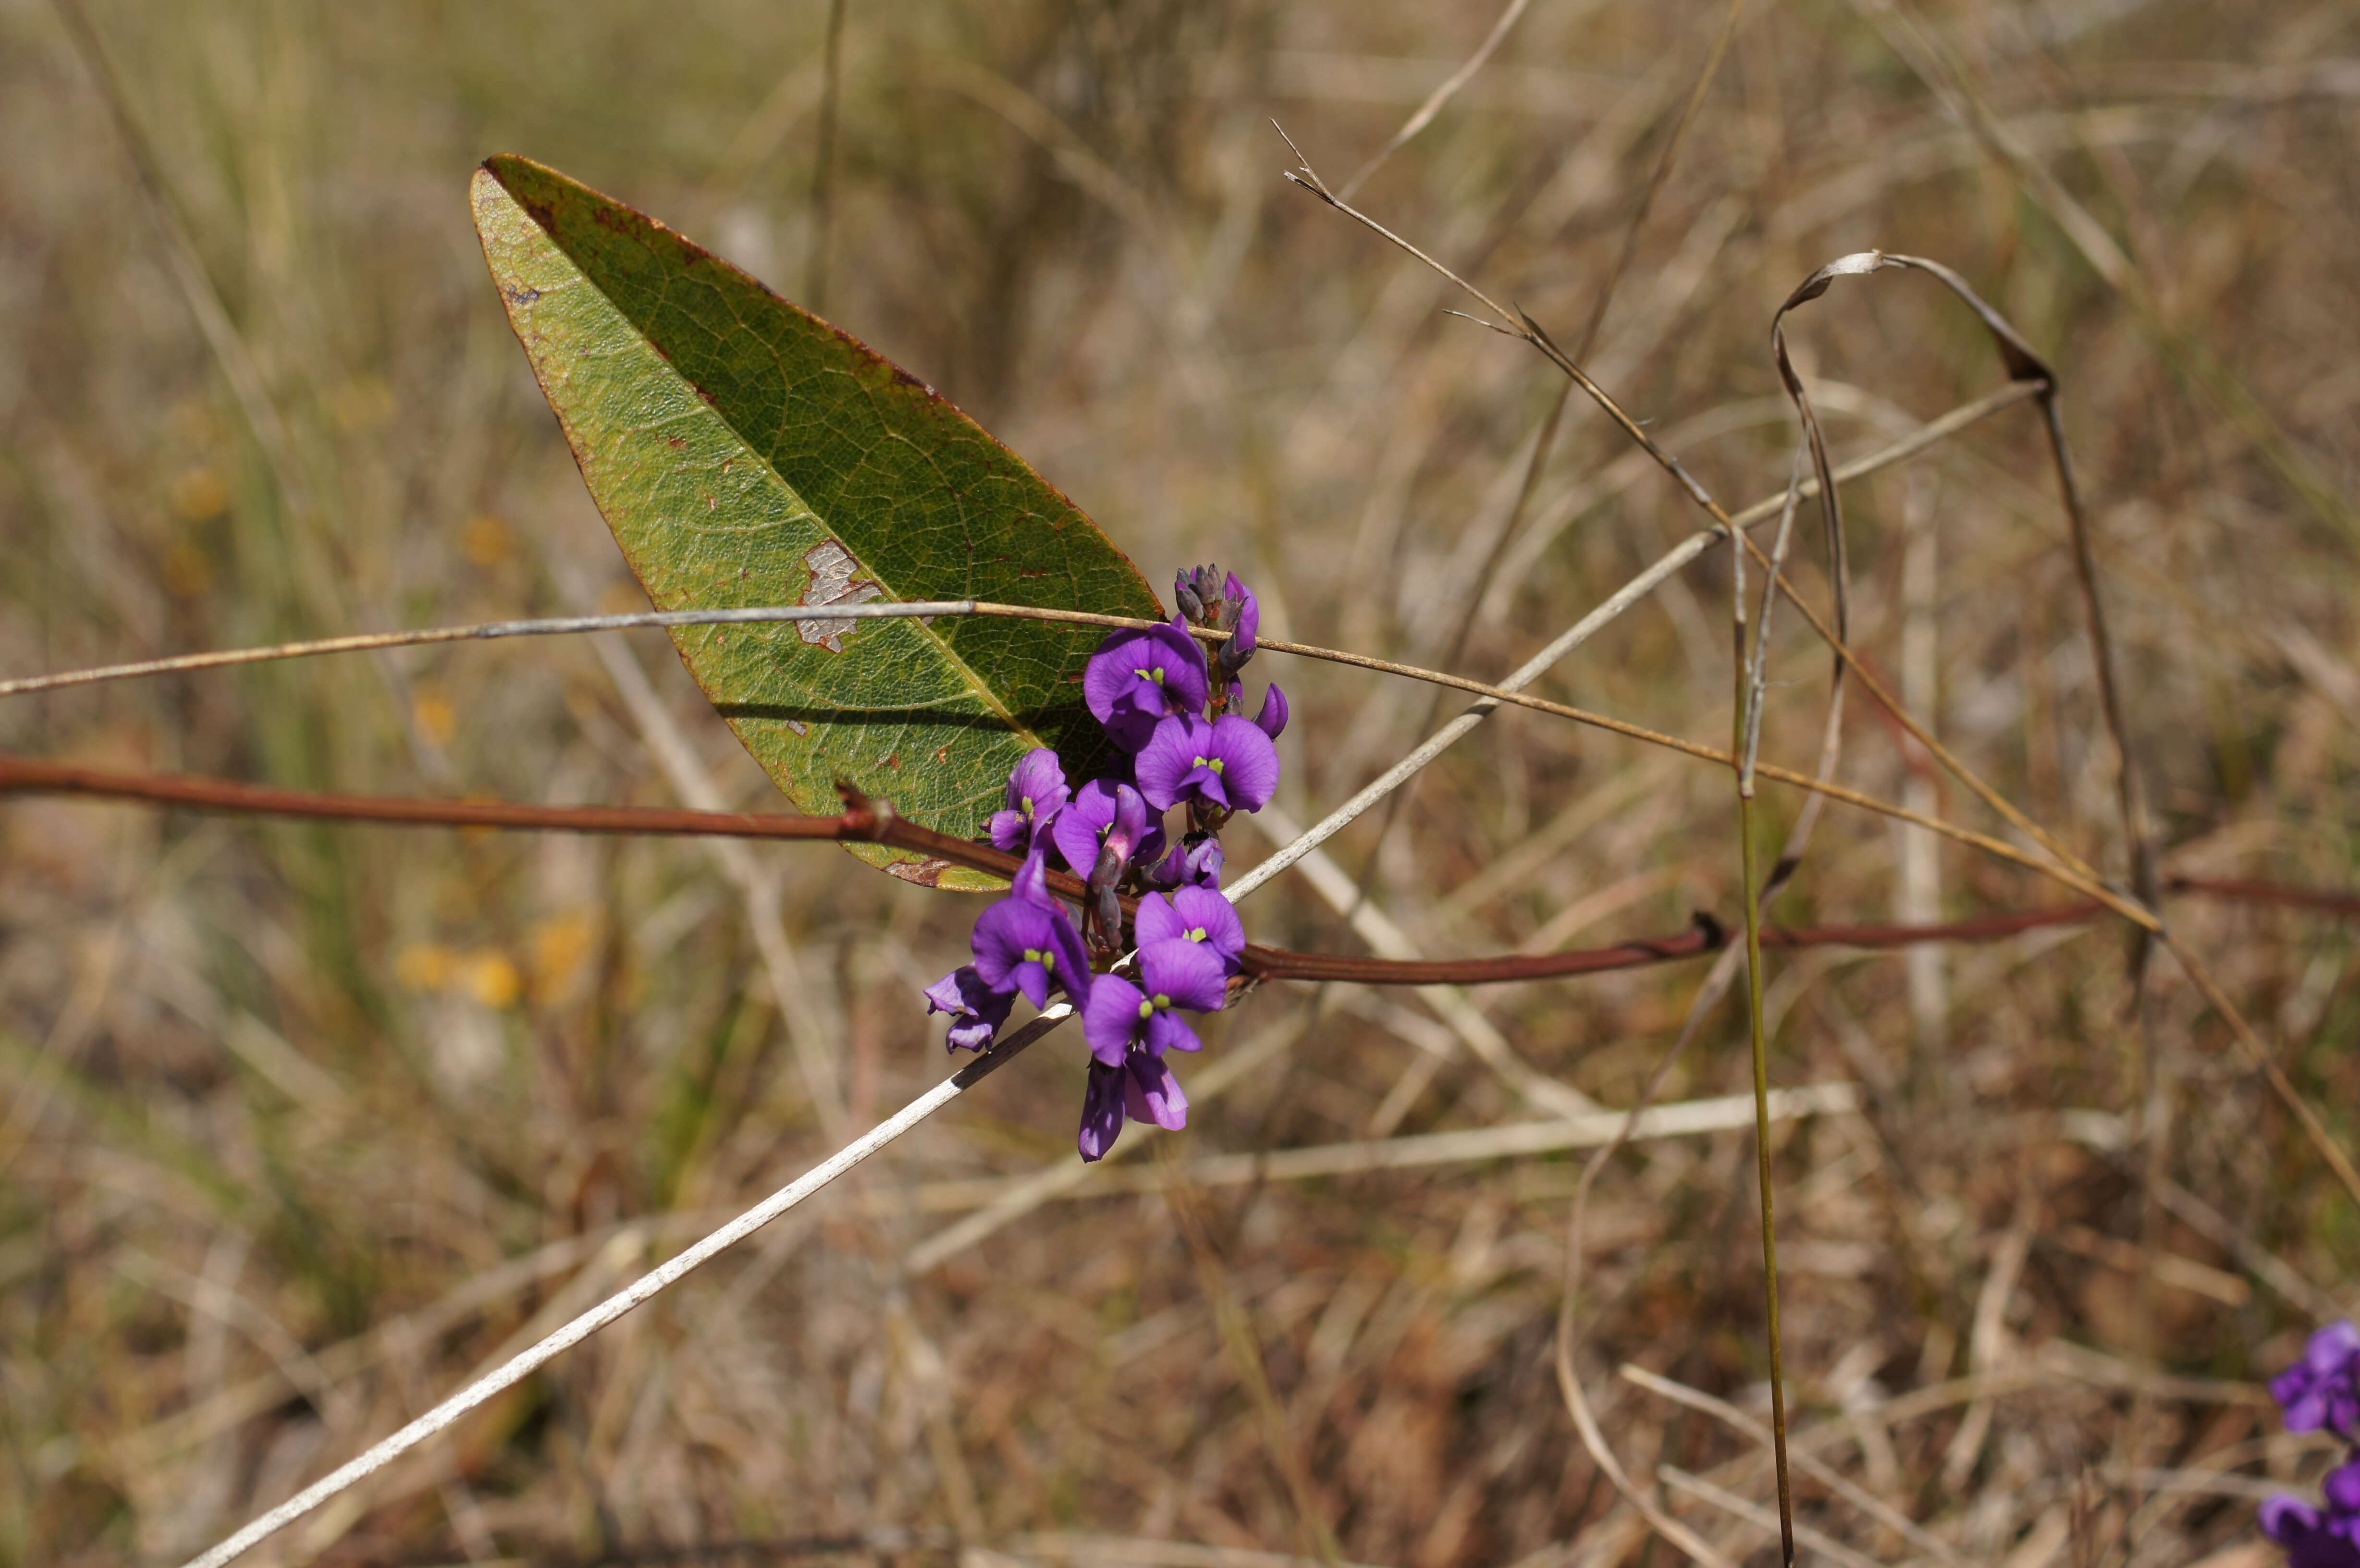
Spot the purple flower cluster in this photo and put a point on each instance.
(1166, 703)
(2321, 1392)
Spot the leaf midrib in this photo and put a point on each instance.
(966, 672)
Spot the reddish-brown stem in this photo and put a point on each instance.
(863, 821)
(868, 821)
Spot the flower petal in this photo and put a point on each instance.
(1032, 880)
(1081, 825)
(1248, 622)
(976, 1010)
(2342, 1488)
(1101, 1110)
(1002, 933)
(1129, 821)
(1110, 1017)
(1158, 920)
(1073, 958)
(1249, 763)
(1005, 934)
(2334, 1347)
(1271, 719)
(1108, 676)
(1040, 779)
(1202, 909)
(1187, 677)
(1169, 755)
(1153, 843)
(1168, 1030)
(2286, 1518)
(1152, 1094)
(1187, 973)
(1203, 865)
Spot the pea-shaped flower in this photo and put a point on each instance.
(1228, 763)
(1138, 678)
(1036, 793)
(1105, 818)
(1027, 942)
(2322, 1390)
(1119, 1015)
(1193, 914)
(976, 1010)
(2314, 1537)
(1192, 863)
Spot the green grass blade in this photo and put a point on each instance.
(745, 452)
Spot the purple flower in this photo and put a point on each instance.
(1227, 763)
(1143, 1087)
(2311, 1539)
(1104, 820)
(1197, 864)
(1029, 944)
(1241, 612)
(1036, 791)
(1273, 717)
(2342, 1485)
(976, 1010)
(1137, 678)
(2322, 1390)
(1119, 1015)
(1193, 914)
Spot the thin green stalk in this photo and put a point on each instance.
(1751, 673)
(1762, 1170)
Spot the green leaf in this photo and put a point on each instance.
(748, 453)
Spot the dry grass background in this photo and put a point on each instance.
(303, 1124)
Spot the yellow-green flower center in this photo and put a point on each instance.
(1212, 762)
(1047, 961)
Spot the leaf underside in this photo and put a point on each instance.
(748, 453)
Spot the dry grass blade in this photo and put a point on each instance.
(1414, 1151)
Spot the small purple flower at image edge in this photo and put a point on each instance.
(2321, 1392)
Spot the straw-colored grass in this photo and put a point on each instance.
(303, 1125)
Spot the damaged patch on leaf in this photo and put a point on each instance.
(833, 583)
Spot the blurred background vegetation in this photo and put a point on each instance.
(300, 1125)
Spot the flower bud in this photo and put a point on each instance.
(1273, 717)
